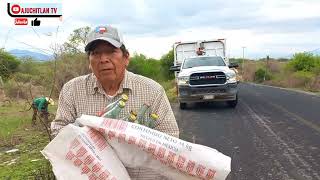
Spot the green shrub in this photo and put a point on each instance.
(8, 64)
(262, 75)
(144, 66)
(316, 68)
(166, 62)
(305, 62)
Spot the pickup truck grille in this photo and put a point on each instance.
(207, 91)
(207, 78)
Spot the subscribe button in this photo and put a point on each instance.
(21, 21)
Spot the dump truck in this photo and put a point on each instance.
(203, 73)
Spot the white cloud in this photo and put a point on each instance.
(289, 10)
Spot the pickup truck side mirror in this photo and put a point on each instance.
(175, 68)
(233, 65)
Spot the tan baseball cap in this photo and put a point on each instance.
(106, 33)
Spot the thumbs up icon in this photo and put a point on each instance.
(35, 22)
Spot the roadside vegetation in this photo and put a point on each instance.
(301, 72)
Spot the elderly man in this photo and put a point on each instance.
(89, 94)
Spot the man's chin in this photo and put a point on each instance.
(107, 73)
(107, 77)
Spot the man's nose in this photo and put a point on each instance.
(105, 58)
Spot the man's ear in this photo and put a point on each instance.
(127, 60)
(90, 67)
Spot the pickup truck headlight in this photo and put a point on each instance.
(183, 80)
(231, 77)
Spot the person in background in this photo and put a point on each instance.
(41, 105)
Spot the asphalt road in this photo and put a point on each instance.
(272, 134)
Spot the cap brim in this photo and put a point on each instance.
(111, 41)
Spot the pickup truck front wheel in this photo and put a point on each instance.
(183, 105)
(233, 103)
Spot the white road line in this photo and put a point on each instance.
(287, 89)
(296, 117)
(289, 152)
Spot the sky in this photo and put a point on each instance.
(264, 27)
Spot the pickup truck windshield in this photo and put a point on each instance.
(203, 61)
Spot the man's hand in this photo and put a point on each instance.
(77, 123)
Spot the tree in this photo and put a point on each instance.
(166, 62)
(8, 64)
(303, 62)
(70, 58)
(77, 40)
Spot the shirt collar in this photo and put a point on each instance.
(95, 85)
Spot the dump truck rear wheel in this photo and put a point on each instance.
(183, 105)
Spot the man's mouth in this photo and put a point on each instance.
(106, 69)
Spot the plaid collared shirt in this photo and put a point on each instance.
(85, 95)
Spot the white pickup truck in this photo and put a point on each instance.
(203, 73)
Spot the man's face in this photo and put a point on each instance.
(107, 62)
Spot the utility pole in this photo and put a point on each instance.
(243, 59)
(267, 67)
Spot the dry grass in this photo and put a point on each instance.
(250, 67)
(2, 95)
(275, 66)
(315, 84)
(14, 90)
(282, 76)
